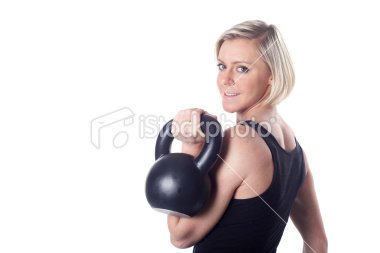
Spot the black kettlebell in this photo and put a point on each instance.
(178, 183)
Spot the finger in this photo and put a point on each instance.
(174, 129)
(199, 134)
(197, 110)
(196, 122)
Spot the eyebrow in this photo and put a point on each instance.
(235, 62)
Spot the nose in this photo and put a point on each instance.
(227, 79)
(229, 82)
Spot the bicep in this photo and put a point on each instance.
(188, 231)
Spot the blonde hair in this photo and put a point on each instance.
(273, 50)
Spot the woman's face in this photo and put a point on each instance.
(243, 77)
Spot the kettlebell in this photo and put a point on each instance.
(179, 183)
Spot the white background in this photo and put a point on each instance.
(64, 63)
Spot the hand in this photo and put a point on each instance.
(186, 126)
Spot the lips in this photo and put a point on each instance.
(231, 94)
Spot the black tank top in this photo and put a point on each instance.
(256, 225)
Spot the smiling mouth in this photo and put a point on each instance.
(231, 94)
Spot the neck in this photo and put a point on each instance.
(258, 114)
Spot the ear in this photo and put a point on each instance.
(270, 80)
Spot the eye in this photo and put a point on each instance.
(221, 66)
(243, 69)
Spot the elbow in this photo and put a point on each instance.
(181, 244)
(182, 241)
(182, 235)
(325, 244)
(317, 244)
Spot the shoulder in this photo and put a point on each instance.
(242, 136)
(242, 139)
(244, 149)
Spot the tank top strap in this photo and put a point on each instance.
(277, 151)
(261, 130)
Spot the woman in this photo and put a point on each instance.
(263, 176)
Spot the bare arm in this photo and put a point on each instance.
(307, 218)
(185, 232)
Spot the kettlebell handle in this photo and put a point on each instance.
(212, 147)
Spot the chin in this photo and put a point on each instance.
(229, 108)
